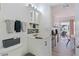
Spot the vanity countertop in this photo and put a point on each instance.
(4, 50)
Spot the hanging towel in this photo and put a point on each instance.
(9, 26)
(17, 26)
(24, 26)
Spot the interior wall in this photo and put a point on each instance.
(45, 29)
(20, 12)
(77, 28)
(13, 11)
(38, 46)
(61, 12)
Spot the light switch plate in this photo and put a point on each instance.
(45, 43)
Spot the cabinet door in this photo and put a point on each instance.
(16, 52)
(34, 15)
(37, 17)
(39, 47)
(31, 15)
(34, 46)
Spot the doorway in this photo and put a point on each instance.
(64, 42)
(63, 19)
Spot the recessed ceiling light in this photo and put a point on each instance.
(66, 5)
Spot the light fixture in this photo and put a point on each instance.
(66, 5)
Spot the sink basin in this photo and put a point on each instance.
(38, 37)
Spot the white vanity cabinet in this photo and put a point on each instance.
(12, 51)
(16, 52)
(35, 46)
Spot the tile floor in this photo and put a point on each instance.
(62, 50)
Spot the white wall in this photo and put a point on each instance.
(13, 12)
(37, 46)
(77, 28)
(61, 13)
(45, 27)
(20, 12)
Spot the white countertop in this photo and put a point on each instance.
(4, 50)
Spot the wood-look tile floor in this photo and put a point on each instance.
(62, 50)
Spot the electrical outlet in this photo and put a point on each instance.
(45, 43)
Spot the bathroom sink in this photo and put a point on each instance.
(38, 38)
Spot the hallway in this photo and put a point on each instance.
(62, 50)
